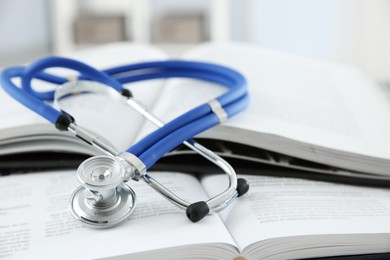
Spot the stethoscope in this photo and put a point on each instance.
(104, 199)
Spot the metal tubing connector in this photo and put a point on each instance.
(135, 169)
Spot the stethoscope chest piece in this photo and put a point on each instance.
(103, 199)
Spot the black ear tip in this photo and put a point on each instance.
(198, 210)
(242, 187)
(126, 93)
(63, 121)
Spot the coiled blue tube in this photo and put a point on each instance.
(52, 62)
(23, 97)
(165, 69)
(155, 145)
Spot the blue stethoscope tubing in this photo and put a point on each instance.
(164, 139)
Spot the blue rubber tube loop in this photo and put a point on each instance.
(237, 87)
(237, 106)
(176, 65)
(51, 78)
(168, 69)
(193, 67)
(209, 72)
(223, 99)
(183, 119)
(154, 146)
(39, 66)
(29, 100)
(179, 74)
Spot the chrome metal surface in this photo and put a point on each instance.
(144, 112)
(135, 169)
(165, 192)
(103, 216)
(218, 110)
(100, 173)
(91, 139)
(102, 200)
(82, 87)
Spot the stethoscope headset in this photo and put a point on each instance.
(104, 199)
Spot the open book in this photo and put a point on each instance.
(303, 114)
(280, 218)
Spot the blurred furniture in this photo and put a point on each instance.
(77, 22)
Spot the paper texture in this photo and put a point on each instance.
(285, 207)
(36, 222)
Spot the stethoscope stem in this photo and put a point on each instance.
(91, 139)
(215, 204)
(144, 112)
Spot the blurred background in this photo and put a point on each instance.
(349, 31)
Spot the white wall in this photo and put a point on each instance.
(352, 31)
(294, 26)
(24, 30)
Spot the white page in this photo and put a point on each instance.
(114, 123)
(314, 102)
(36, 222)
(283, 207)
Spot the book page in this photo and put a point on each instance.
(310, 101)
(114, 122)
(278, 207)
(36, 222)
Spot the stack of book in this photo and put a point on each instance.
(306, 118)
